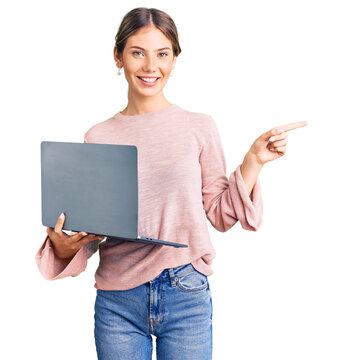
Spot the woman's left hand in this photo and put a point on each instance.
(272, 144)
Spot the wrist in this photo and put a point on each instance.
(251, 161)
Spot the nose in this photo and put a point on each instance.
(149, 64)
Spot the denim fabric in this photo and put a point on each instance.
(176, 307)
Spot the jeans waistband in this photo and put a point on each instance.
(175, 272)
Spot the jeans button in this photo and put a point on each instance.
(176, 279)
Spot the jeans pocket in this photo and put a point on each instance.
(193, 281)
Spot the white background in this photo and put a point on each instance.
(252, 65)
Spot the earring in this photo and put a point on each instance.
(118, 71)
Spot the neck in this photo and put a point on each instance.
(141, 105)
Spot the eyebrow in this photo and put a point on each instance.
(138, 47)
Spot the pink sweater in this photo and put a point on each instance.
(182, 181)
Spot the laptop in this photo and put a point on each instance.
(96, 187)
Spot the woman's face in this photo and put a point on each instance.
(148, 54)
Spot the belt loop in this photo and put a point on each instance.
(172, 276)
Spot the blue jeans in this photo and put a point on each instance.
(176, 307)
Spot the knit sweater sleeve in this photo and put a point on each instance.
(52, 267)
(226, 201)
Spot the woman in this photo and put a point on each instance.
(145, 289)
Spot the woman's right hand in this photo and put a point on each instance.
(66, 246)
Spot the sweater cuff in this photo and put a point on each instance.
(52, 267)
(250, 212)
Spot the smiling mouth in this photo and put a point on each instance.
(148, 79)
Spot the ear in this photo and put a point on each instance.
(116, 57)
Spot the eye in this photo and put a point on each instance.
(136, 52)
(164, 54)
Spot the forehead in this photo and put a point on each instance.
(148, 37)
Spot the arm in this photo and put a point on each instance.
(227, 201)
(250, 170)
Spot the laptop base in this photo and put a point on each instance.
(145, 240)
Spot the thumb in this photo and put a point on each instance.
(59, 223)
(274, 131)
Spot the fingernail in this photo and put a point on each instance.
(84, 234)
(272, 138)
(62, 216)
(279, 131)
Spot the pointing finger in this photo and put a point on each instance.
(292, 126)
(283, 129)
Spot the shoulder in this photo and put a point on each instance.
(97, 129)
(203, 125)
(199, 118)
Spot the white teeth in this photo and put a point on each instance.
(148, 79)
